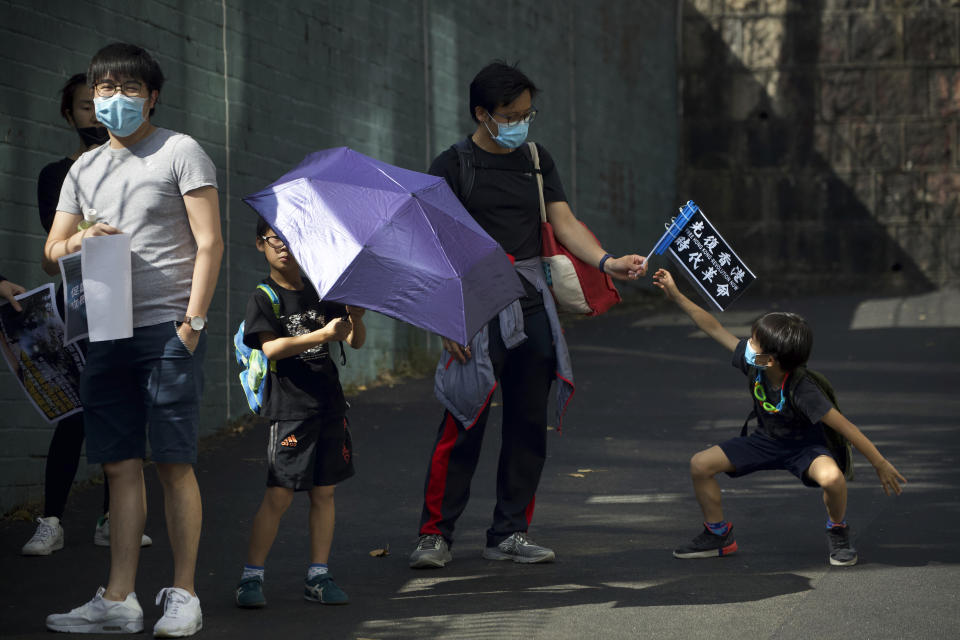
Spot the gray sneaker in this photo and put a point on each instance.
(46, 539)
(519, 548)
(842, 554)
(432, 552)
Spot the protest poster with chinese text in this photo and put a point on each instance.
(709, 262)
(31, 342)
(704, 257)
(74, 308)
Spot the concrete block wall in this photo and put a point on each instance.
(261, 83)
(822, 136)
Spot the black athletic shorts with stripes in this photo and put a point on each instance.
(314, 452)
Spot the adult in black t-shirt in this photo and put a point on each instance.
(63, 456)
(504, 200)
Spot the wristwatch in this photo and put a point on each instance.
(197, 323)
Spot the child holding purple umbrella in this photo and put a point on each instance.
(309, 446)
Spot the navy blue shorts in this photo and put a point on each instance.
(149, 379)
(315, 452)
(760, 452)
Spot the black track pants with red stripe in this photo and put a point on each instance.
(524, 374)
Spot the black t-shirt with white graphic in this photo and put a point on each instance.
(505, 200)
(810, 402)
(308, 383)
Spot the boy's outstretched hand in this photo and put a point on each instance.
(889, 477)
(664, 280)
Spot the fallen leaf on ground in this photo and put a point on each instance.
(380, 553)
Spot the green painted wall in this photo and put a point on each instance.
(261, 83)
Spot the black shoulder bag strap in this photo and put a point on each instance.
(467, 160)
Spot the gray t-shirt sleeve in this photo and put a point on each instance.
(192, 167)
(69, 201)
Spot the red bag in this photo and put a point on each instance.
(577, 287)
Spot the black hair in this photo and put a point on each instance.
(122, 59)
(69, 89)
(786, 336)
(498, 84)
(263, 227)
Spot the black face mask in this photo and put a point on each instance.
(93, 135)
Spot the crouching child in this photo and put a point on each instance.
(790, 431)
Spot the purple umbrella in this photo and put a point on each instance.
(391, 240)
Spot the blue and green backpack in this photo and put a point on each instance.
(253, 377)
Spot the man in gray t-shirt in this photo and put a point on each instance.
(160, 188)
(143, 197)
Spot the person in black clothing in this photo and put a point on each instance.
(504, 200)
(76, 107)
(63, 456)
(309, 446)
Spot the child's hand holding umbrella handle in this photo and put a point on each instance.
(338, 329)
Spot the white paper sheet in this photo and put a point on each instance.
(108, 287)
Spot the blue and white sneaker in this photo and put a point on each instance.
(323, 589)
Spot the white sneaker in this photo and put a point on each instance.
(46, 539)
(181, 614)
(100, 616)
(101, 535)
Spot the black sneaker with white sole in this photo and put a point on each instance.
(708, 545)
(841, 553)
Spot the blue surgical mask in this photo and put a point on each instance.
(120, 114)
(510, 136)
(751, 357)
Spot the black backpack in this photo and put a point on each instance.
(839, 446)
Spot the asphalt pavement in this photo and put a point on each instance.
(614, 500)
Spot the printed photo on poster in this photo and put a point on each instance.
(31, 342)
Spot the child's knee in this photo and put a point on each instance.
(829, 476)
(701, 466)
(834, 480)
(322, 494)
(278, 498)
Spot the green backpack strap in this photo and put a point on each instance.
(838, 445)
(272, 295)
(275, 303)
